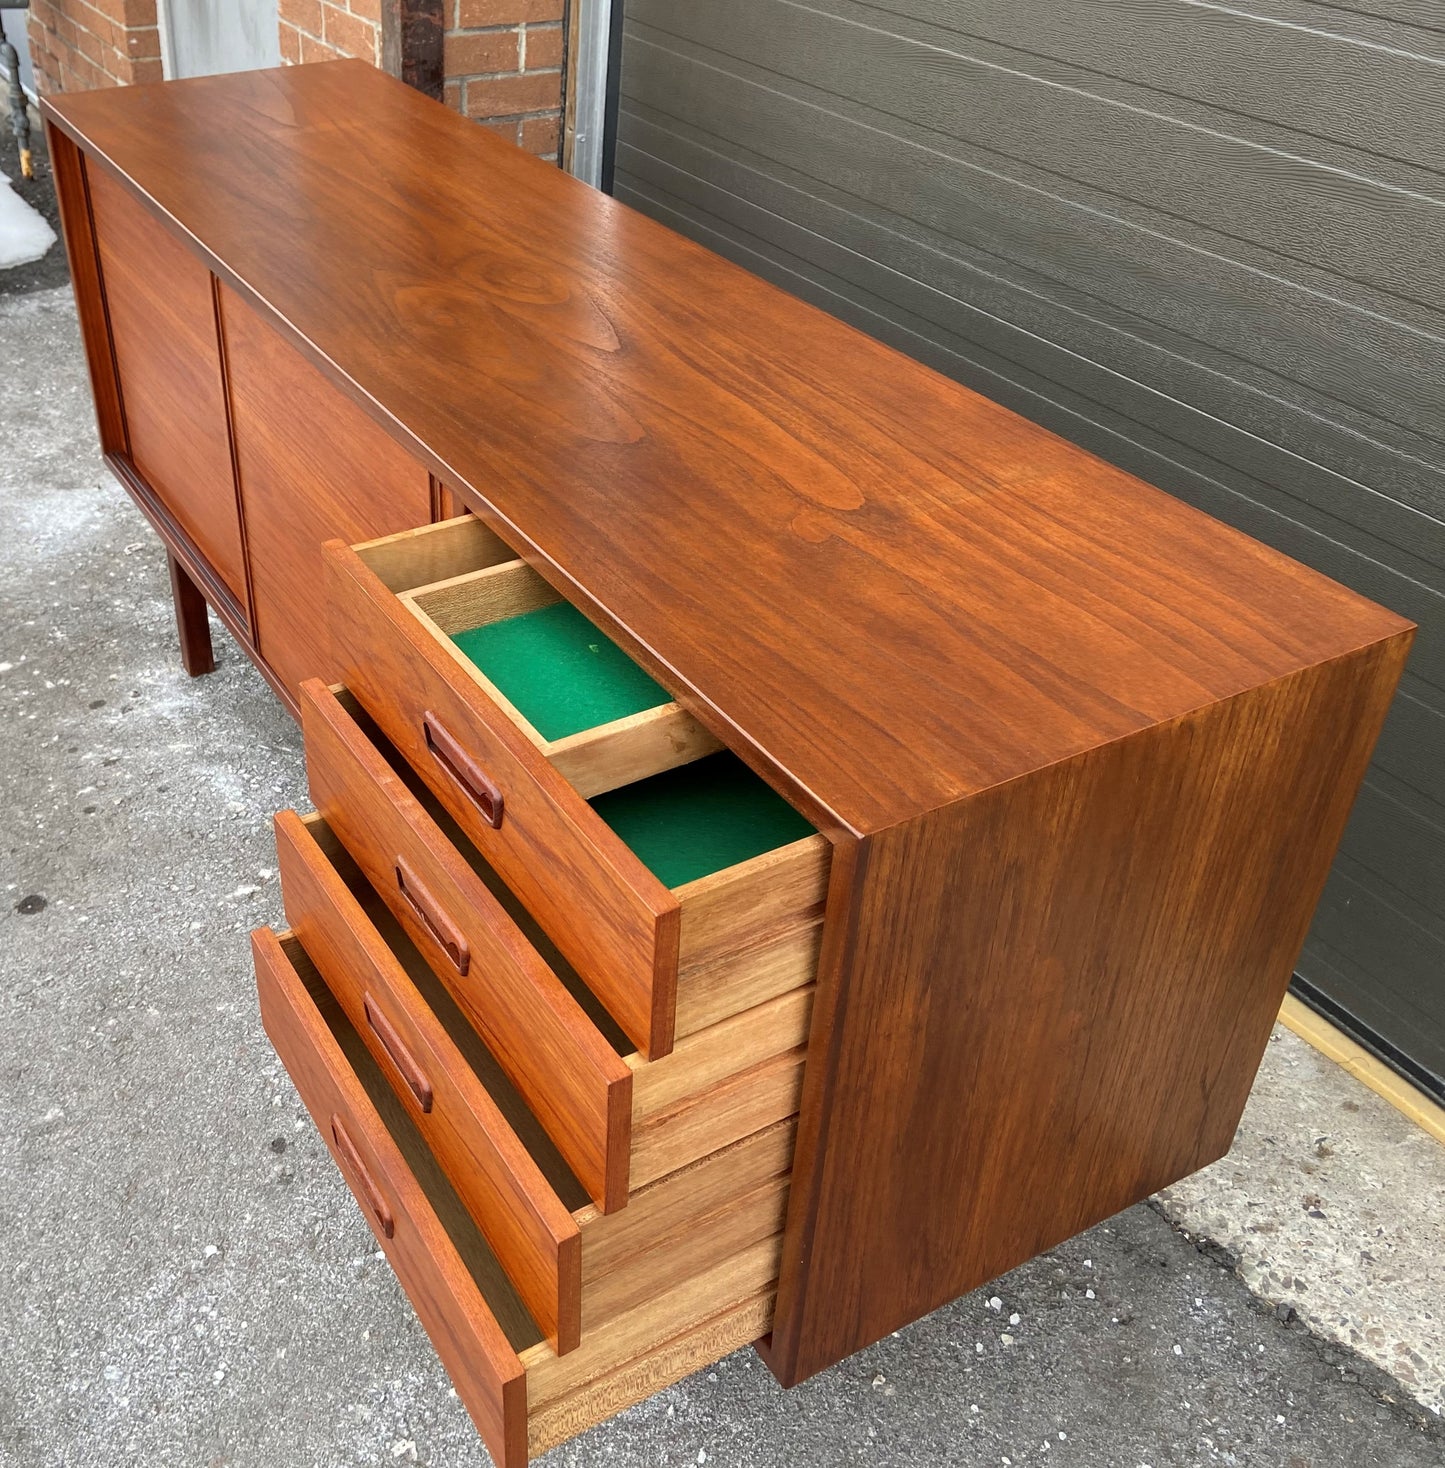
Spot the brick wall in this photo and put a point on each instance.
(502, 59)
(503, 62)
(76, 45)
(324, 30)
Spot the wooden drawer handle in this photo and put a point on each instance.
(432, 917)
(360, 1179)
(401, 1057)
(467, 775)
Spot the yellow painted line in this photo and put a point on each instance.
(1315, 1030)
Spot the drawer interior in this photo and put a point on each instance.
(702, 818)
(491, 1279)
(674, 1227)
(557, 670)
(751, 933)
(690, 810)
(459, 1029)
(573, 692)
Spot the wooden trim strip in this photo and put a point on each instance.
(77, 222)
(225, 602)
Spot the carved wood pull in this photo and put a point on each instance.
(401, 1057)
(360, 1178)
(432, 916)
(466, 774)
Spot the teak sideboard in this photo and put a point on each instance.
(923, 883)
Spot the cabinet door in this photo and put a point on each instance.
(313, 467)
(162, 315)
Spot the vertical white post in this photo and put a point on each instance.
(168, 46)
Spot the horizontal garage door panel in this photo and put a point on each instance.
(1288, 64)
(1255, 424)
(1202, 242)
(1347, 360)
(1090, 132)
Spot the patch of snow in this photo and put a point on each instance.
(24, 234)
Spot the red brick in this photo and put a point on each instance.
(349, 34)
(86, 74)
(290, 39)
(484, 53)
(314, 50)
(148, 70)
(507, 127)
(504, 96)
(110, 35)
(305, 15)
(366, 9)
(542, 47)
(452, 95)
(90, 46)
(540, 134)
(506, 12)
(143, 45)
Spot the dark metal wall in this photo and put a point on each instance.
(1207, 243)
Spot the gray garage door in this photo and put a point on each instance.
(1205, 241)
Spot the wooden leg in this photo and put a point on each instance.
(192, 622)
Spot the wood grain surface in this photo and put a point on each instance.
(1004, 1071)
(311, 465)
(938, 595)
(578, 1086)
(532, 1233)
(73, 195)
(611, 918)
(162, 312)
(476, 1352)
(193, 625)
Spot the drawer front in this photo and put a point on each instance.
(532, 1233)
(486, 1370)
(614, 921)
(579, 1087)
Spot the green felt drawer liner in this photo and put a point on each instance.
(558, 671)
(700, 818)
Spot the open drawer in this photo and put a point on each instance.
(573, 1266)
(414, 619)
(619, 1119)
(522, 1395)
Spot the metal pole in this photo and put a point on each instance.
(15, 94)
(594, 34)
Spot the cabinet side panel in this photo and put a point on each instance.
(158, 297)
(1054, 997)
(68, 163)
(312, 467)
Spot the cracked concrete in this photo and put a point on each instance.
(1334, 1205)
(186, 1280)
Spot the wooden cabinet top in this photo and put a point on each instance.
(885, 590)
